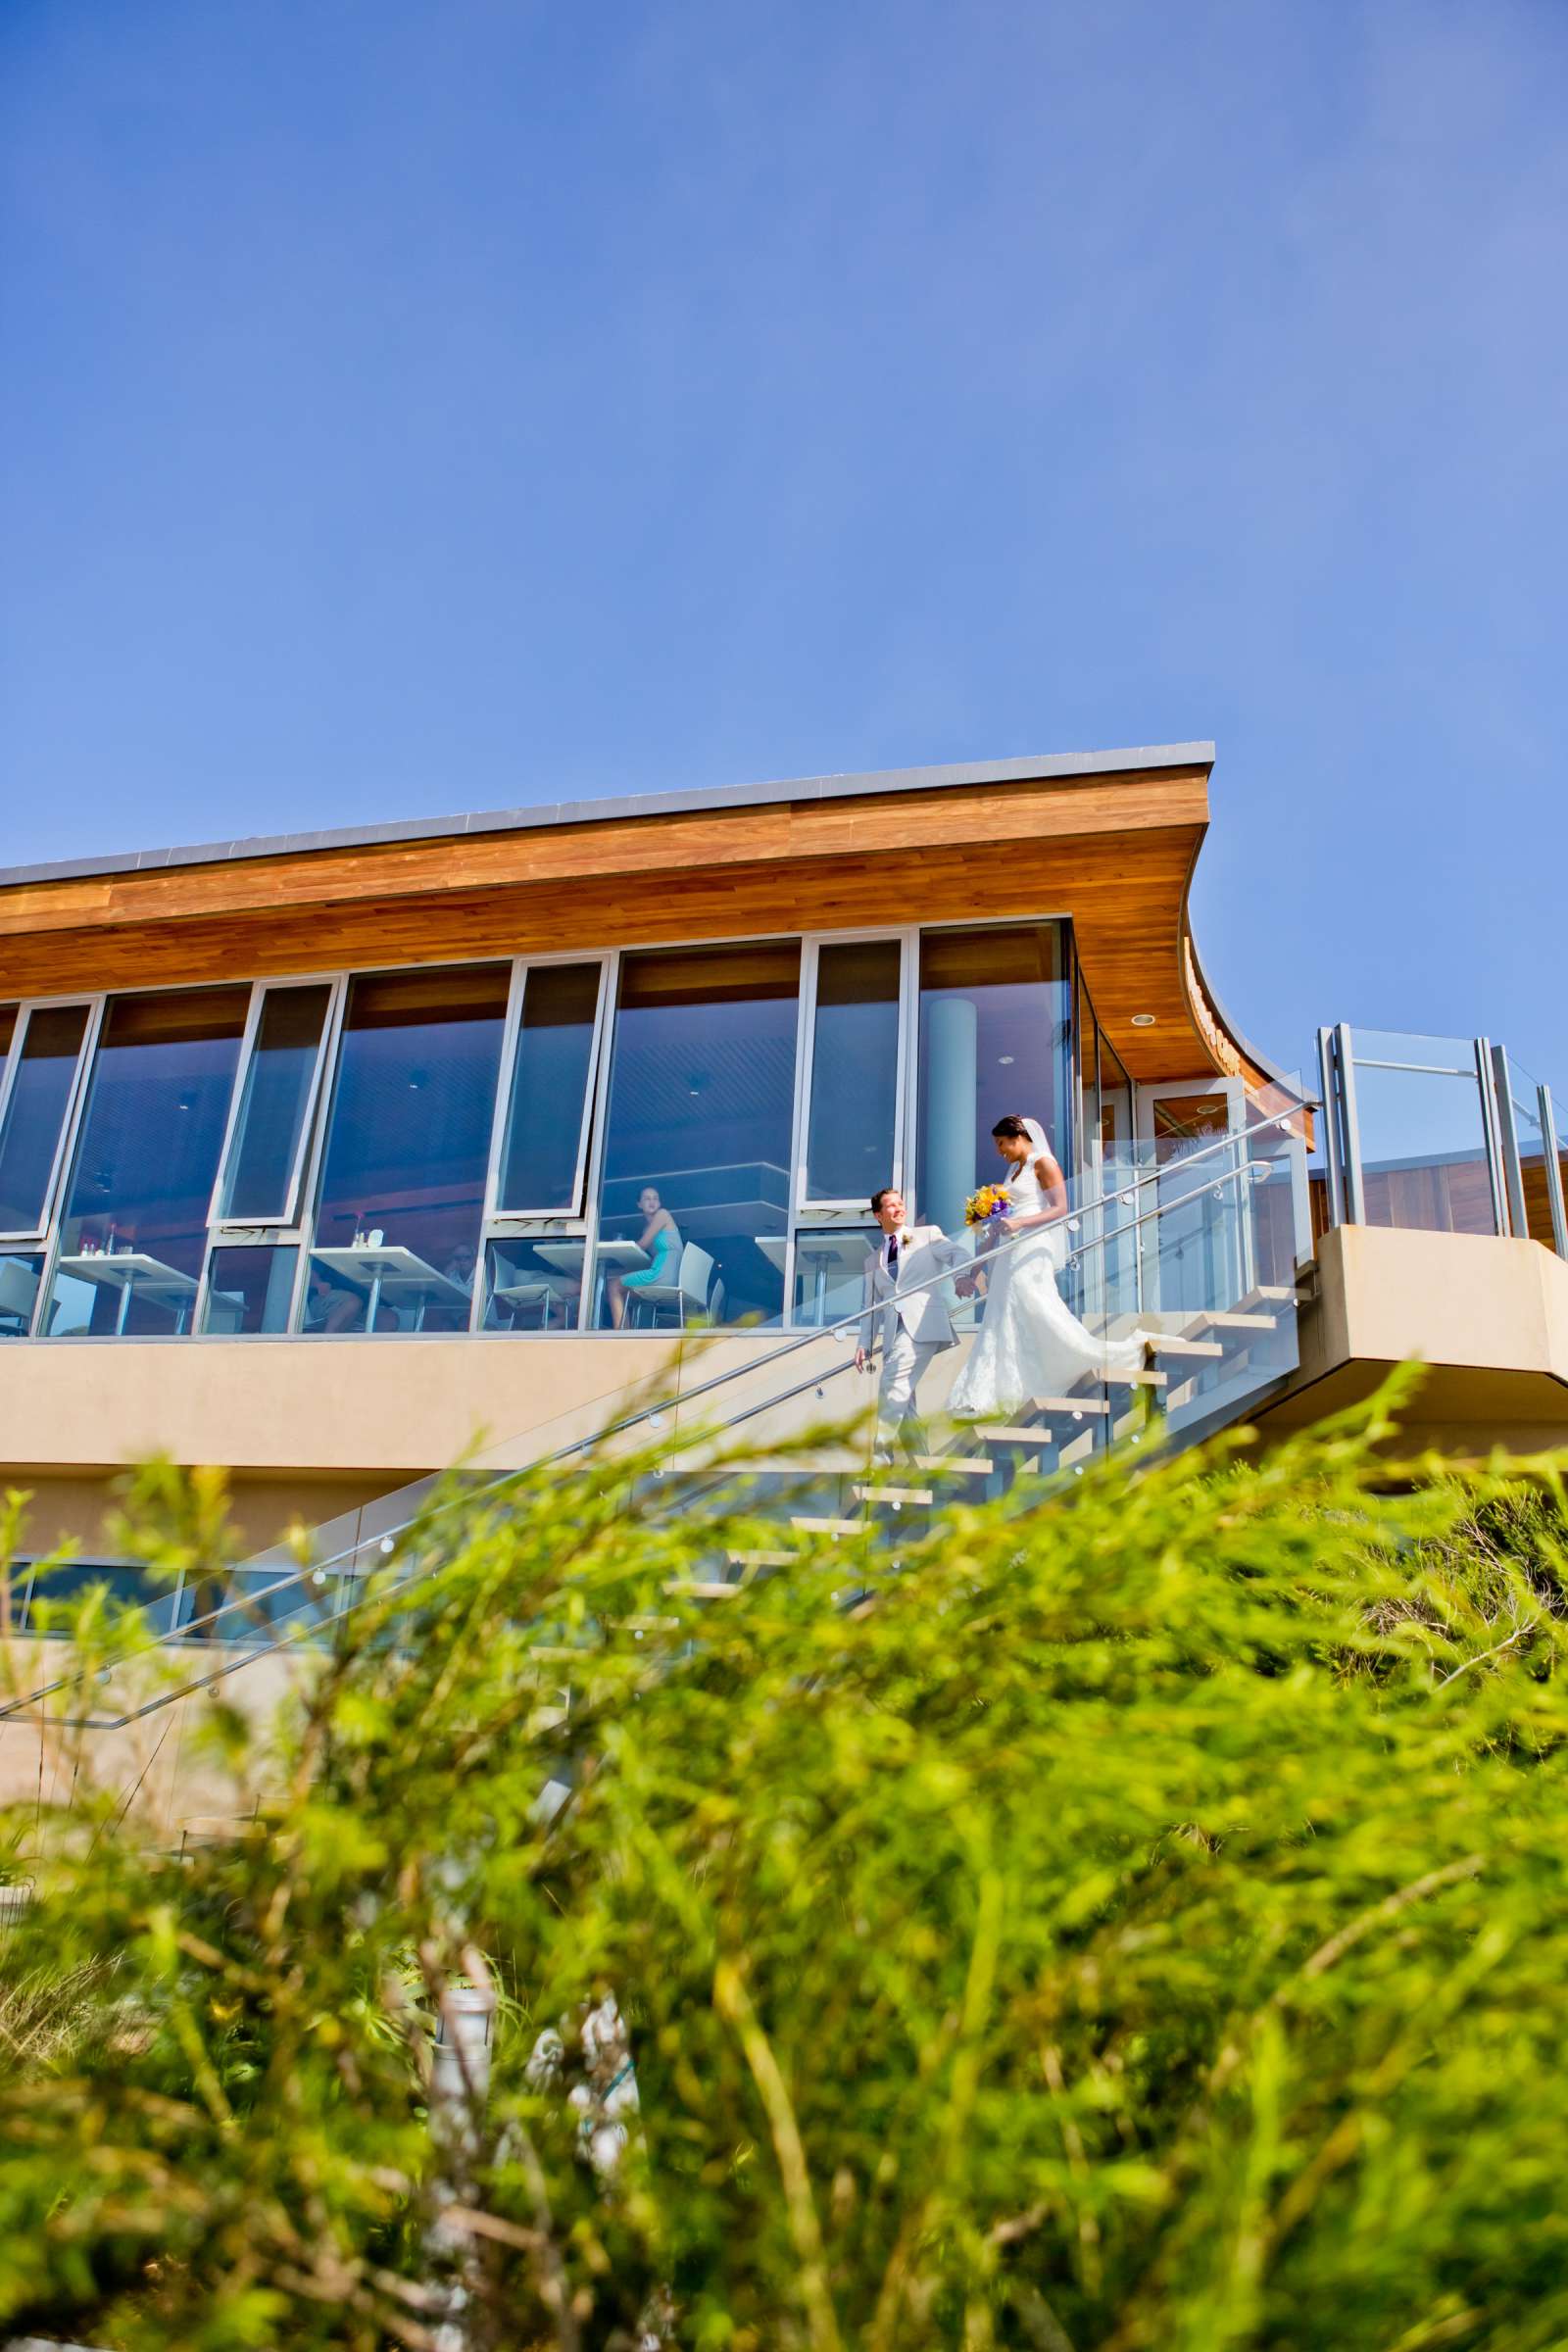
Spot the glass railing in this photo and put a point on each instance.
(1437, 1135)
(778, 1449)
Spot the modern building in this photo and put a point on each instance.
(324, 1157)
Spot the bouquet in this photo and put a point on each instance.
(988, 1206)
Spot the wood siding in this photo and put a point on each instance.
(1115, 852)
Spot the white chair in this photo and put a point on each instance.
(687, 1294)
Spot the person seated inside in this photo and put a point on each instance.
(333, 1305)
(661, 1235)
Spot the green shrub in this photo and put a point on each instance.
(1135, 1922)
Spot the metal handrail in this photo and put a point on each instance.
(320, 1569)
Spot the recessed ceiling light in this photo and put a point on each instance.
(1005, 1061)
(1143, 1021)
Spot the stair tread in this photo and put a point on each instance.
(762, 1559)
(1168, 1343)
(1068, 1404)
(1019, 1437)
(703, 1589)
(962, 1465)
(829, 1527)
(1137, 1380)
(1234, 1319)
(870, 1493)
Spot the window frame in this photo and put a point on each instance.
(288, 1217)
(499, 1224)
(290, 1232)
(44, 1235)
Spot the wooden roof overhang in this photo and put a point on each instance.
(1113, 851)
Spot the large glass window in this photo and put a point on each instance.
(996, 1024)
(20, 1273)
(402, 1191)
(136, 1224)
(851, 1118)
(45, 1070)
(695, 1192)
(543, 1146)
(250, 1288)
(263, 1158)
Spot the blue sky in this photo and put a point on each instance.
(425, 405)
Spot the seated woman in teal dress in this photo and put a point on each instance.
(661, 1235)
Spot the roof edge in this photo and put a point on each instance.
(1052, 767)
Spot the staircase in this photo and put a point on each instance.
(1203, 1252)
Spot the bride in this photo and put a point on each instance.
(1031, 1343)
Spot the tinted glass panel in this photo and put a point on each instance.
(550, 1088)
(697, 1150)
(249, 1290)
(20, 1271)
(277, 1093)
(995, 1023)
(402, 1191)
(46, 1067)
(533, 1284)
(854, 1070)
(135, 1223)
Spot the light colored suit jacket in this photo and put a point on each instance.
(923, 1251)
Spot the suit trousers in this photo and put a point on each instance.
(904, 1365)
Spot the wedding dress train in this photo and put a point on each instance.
(1031, 1343)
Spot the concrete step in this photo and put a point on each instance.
(1232, 1319)
(1170, 1345)
(1016, 1437)
(898, 1495)
(1077, 1407)
(829, 1527)
(1136, 1380)
(954, 1465)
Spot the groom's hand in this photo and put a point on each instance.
(859, 1360)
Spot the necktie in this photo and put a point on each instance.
(893, 1255)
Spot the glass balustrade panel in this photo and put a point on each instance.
(1422, 1134)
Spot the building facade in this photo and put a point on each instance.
(326, 1158)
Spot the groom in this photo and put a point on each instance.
(914, 1323)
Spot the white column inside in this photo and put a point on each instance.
(948, 1174)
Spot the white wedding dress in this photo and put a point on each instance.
(1031, 1343)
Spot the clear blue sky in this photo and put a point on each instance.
(425, 405)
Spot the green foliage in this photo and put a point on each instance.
(1136, 1921)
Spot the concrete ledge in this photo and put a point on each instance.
(1488, 1318)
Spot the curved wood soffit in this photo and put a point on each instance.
(1114, 851)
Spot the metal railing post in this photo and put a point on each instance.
(1333, 1133)
(1345, 1072)
(1513, 1174)
(1555, 1199)
(1491, 1122)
